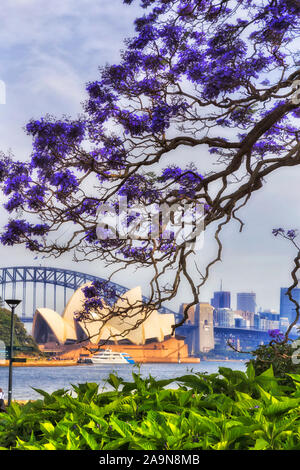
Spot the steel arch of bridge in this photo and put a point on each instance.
(65, 278)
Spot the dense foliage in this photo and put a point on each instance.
(280, 356)
(21, 337)
(226, 410)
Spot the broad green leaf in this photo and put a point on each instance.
(49, 446)
(281, 407)
(295, 377)
(115, 381)
(261, 444)
(90, 440)
(250, 371)
(47, 427)
(266, 396)
(124, 429)
(116, 444)
(268, 373)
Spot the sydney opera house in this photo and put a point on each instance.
(146, 336)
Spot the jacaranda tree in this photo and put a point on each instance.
(202, 106)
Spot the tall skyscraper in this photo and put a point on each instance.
(246, 301)
(287, 307)
(221, 299)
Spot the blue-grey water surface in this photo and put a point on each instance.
(50, 378)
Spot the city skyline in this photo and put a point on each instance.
(283, 300)
(247, 292)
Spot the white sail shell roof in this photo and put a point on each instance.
(110, 323)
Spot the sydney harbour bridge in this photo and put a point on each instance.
(40, 279)
(41, 286)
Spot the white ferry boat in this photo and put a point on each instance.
(107, 356)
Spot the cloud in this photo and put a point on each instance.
(49, 51)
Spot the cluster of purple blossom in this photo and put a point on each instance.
(97, 295)
(291, 233)
(17, 230)
(276, 334)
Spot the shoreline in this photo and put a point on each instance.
(69, 363)
(40, 364)
(223, 360)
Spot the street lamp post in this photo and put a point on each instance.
(13, 303)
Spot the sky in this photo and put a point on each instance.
(48, 52)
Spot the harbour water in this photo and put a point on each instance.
(49, 379)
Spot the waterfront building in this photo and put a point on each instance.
(50, 326)
(287, 307)
(256, 321)
(228, 318)
(223, 317)
(269, 320)
(240, 322)
(284, 323)
(248, 317)
(150, 340)
(246, 301)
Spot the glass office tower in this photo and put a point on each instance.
(246, 301)
(287, 307)
(221, 299)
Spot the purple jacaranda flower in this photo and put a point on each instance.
(276, 334)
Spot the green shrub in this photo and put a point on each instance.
(21, 337)
(279, 356)
(226, 410)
